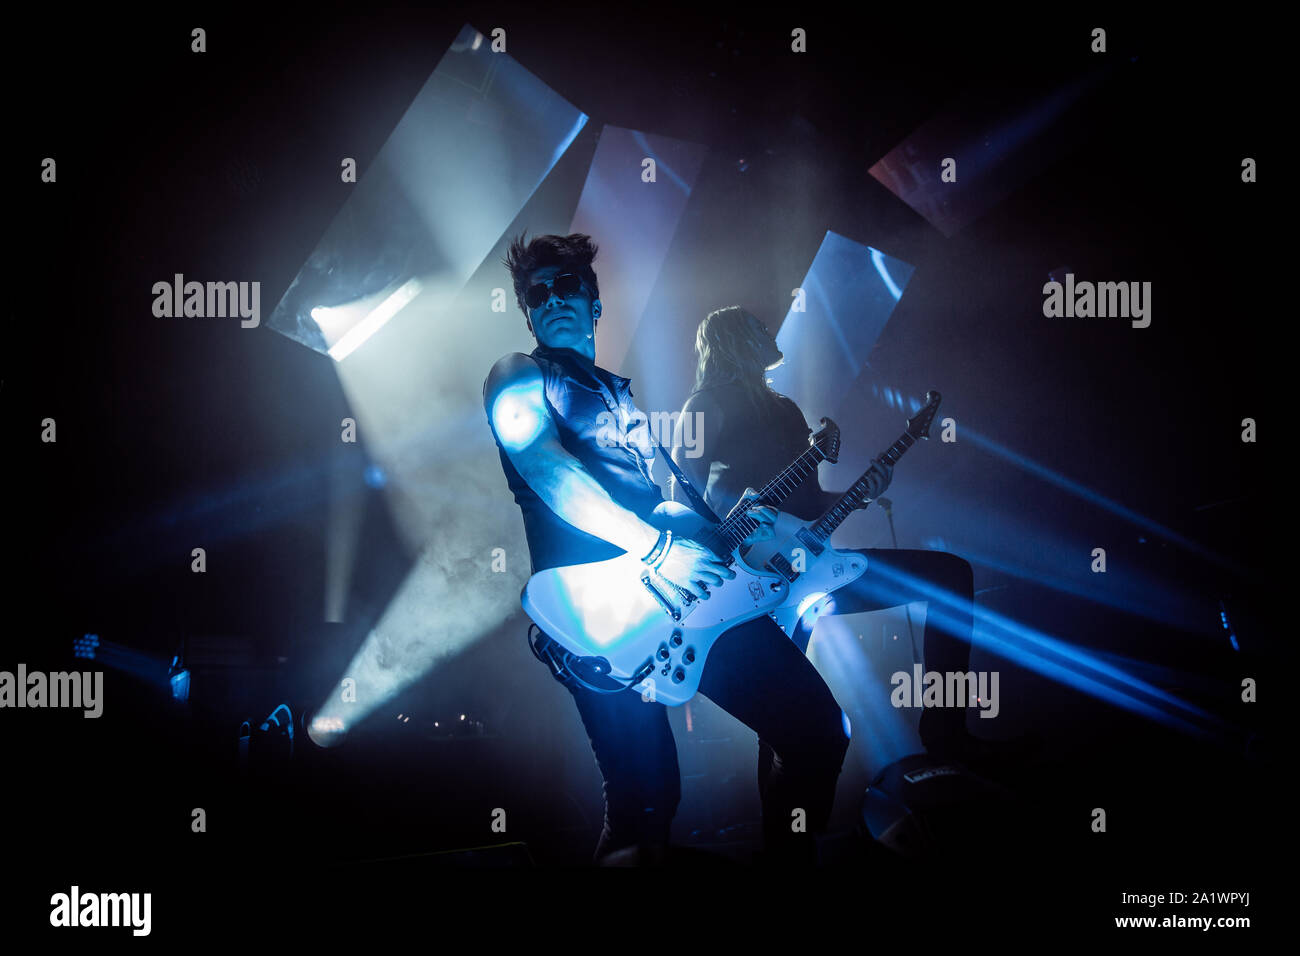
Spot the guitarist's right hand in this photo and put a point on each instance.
(693, 567)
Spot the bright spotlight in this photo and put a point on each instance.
(374, 321)
(809, 601)
(326, 731)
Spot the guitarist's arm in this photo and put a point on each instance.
(696, 466)
(514, 396)
(881, 473)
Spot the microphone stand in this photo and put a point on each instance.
(907, 609)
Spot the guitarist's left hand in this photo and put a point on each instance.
(881, 474)
(765, 515)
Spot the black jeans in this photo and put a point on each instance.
(758, 675)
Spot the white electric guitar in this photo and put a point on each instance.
(629, 625)
(798, 552)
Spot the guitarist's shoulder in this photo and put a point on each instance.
(793, 411)
(512, 369)
(703, 400)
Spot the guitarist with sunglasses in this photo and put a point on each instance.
(747, 429)
(586, 498)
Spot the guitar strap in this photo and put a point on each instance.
(697, 501)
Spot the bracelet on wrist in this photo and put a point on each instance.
(660, 544)
(663, 555)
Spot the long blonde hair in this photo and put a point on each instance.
(729, 347)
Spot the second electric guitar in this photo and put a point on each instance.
(799, 553)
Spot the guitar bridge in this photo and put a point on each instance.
(669, 607)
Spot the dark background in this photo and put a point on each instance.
(172, 431)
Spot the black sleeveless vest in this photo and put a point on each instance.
(584, 399)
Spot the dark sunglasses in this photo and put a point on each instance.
(566, 285)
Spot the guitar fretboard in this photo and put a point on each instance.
(728, 535)
(857, 492)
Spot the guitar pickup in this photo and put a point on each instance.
(781, 566)
(815, 547)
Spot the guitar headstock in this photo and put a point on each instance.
(827, 441)
(918, 426)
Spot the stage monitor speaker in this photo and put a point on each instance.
(920, 806)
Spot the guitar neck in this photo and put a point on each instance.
(728, 535)
(857, 492)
